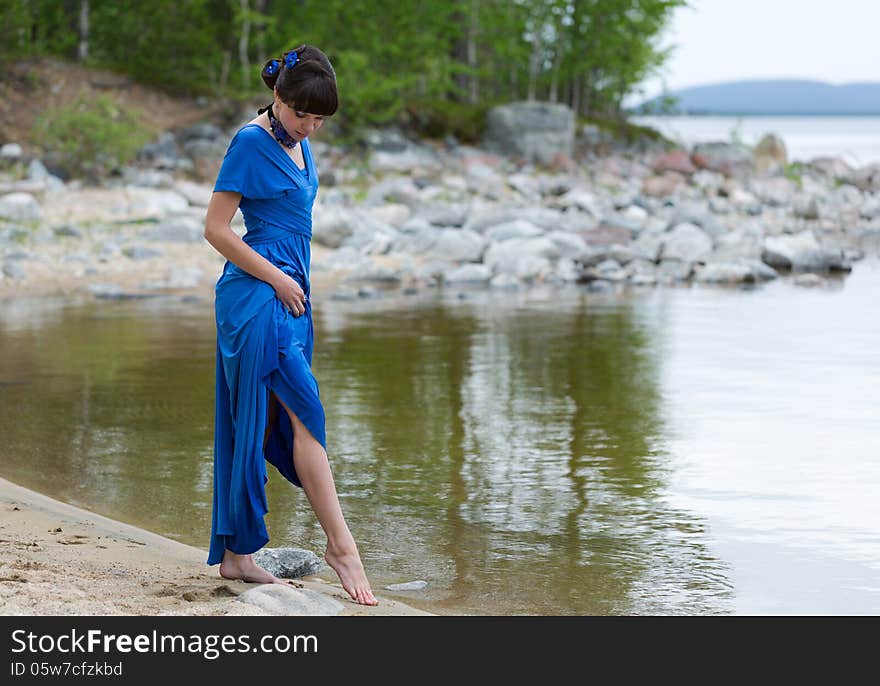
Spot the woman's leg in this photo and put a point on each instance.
(313, 470)
(243, 567)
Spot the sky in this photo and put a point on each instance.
(725, 40)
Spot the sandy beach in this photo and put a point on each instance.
(57, 559)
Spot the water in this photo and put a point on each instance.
(854, 139)
(682, 450)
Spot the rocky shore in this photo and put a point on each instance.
(567, 205)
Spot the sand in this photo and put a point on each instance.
(57, 559)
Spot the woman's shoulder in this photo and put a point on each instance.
(249, 132)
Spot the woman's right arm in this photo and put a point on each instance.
(219, 233)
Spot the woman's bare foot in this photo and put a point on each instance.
(243, 567)
(348, 566)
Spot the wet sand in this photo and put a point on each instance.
(57, 559)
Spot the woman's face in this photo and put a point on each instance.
(298, 124)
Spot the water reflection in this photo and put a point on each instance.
(511, 450)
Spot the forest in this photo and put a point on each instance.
(437, 63)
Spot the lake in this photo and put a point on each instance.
(854, 139)
(685, 450)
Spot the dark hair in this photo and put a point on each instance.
(309, 85)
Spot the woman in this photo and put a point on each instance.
(264, 327)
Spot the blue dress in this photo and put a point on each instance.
(261, 347)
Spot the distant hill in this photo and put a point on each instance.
(780, 97)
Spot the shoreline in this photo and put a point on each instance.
(62, 560)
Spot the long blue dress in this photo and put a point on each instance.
(261, 346)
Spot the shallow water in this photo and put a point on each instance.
(684, 450)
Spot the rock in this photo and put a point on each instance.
(775, 192)
(518, 228)
(600, 286)
(606, 234)
(607, 270)
(178, 229)
(806, 207)
(634, 216)
(567, 271)
(196, 194)
(535, 131)
(344, 293)
(809, 280)
(593, 255)
(526, 185)
(738, 271)
(288, 563)
(730, 159)
(677, 161)
(412, 158)
(745, 242)
(373, 272)
(576, 198)
(832, 168)
(770, 153)
(569, 245)
(663, 186)
(161, 153)
(332, 225)
(865, 179)
(278, 599)
(13, 270)
(524, 258)
(457, 245)
(147, 178)
(37, 171)
(444, 214)
(387, 139)
(206, 156)
(112, 291)
(20, 207)
(153, 204)
(392, 213)
(11, 152)
(686, 242)
(198, 131)
(468, 273)
(505, 282)
(673, 270)
(869, 241)
(699, 215)
(415, 236)
(408, 586)
(343, 259)
(801, 252)
(648, 245)
(184, 277)
(139, 252)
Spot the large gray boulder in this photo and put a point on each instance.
(802, 252)
(536, 131)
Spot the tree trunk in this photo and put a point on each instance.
(261, 31)
(533, 60)
(473, 27)
(243, 45)
(83, 51)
